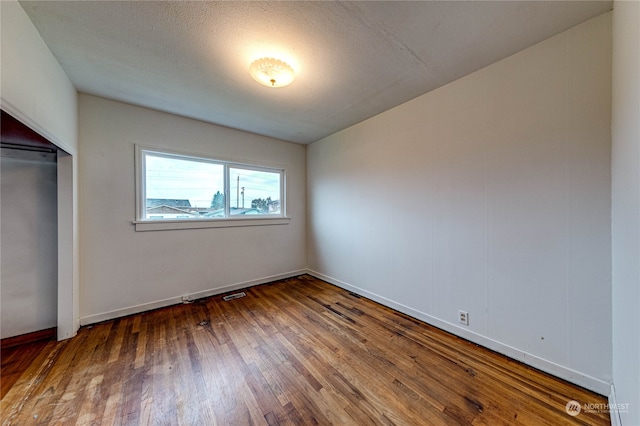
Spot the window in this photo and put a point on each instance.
(182, 188)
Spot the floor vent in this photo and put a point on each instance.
(234, 296)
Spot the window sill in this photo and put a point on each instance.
(166, 225)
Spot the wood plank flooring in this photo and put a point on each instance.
(293, 352)
(17, 359)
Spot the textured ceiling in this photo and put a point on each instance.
(353, 60)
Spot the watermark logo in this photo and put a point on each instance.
(573, 408)
(605, 407)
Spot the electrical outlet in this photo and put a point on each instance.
(463, 317)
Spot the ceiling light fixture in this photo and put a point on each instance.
(271, 72)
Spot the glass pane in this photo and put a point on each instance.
(254, 192)
(178, 188)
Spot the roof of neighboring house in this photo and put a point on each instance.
(167, 210)
(156, 202)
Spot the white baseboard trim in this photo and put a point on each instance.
(117, 313)
(594, 384)
(614, 411)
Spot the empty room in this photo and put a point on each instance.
(320, 212)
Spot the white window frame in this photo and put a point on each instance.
(143, 224)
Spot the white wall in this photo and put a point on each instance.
(626, 208)
(125, 271)
(35, 90)
(489, 195)
(28, 252)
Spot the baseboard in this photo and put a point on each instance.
(594, 384)
(117, 313)
(35, 336)
(614, 408)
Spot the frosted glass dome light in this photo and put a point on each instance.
(271, 72)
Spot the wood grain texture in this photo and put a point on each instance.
(293, 352)
(25, 339)
(16, 359)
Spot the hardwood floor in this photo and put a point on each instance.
(297, 351)
(16, 360)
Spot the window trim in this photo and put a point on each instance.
(225, 222)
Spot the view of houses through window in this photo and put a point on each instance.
(184, 187)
